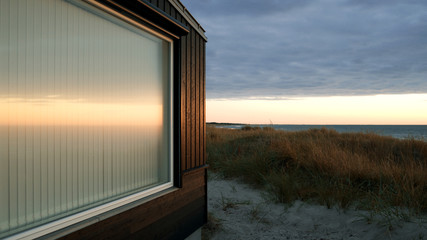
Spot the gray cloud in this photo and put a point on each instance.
(243, 8)
(278, 49)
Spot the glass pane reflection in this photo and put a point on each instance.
(85, 111)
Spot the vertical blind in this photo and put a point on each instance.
(84, 111)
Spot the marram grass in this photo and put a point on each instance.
(363, 170)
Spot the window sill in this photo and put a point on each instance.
(78, 221)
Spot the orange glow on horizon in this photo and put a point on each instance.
(376, 110)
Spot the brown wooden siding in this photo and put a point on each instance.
(158, 218)
(204, 102)
(197, 102)
(186, 105)
(183, 102)
(193, 67)
(193, 94)
(193, 102)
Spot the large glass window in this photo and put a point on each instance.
(85, 112)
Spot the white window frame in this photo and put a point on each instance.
(107, 13)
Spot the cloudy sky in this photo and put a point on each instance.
(287, 51)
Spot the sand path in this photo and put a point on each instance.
(246, 213)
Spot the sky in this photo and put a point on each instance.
(315, 61)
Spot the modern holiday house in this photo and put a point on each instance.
(102, 120)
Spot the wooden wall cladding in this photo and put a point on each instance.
(193, 93)
(192, 101)
(193, 97)
(176, 215)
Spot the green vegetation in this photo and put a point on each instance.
(385, 175)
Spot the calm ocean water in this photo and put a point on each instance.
(397, 131)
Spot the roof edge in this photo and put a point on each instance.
(187, 16)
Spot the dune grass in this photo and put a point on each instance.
(363, 170)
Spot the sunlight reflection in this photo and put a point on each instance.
(52, 111)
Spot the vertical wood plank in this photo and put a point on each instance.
(168, 8)
(183, 102)
(173, 13)
(193, 99)
(180, 18)
(188, 102)
(197, 98)
(161, 4)
(202, 105)
(204, 101)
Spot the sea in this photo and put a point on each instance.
(418, 132)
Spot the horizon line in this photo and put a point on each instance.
(308, 124)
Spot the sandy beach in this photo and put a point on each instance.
(247, 213)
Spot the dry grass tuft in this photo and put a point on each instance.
(360, 169)
(211, 227)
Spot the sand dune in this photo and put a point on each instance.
(246, 213)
